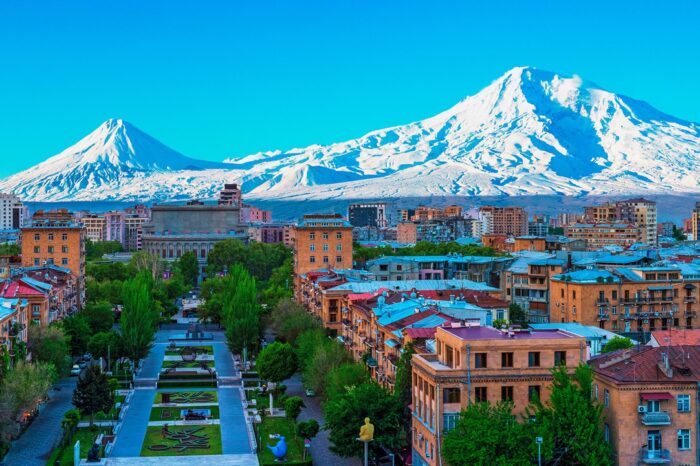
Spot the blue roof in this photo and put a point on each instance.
(391, 343)
(590, 332)
(590, 276)
(36, 283)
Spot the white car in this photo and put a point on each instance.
(75, 370)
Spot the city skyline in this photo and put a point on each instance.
(236, 82)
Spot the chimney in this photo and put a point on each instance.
(665, 366)
(452, 298)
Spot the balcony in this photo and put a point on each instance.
(602, 302)
(655, 456)
(690, 313)
(689, 299)
(603, 316)
(657, 418)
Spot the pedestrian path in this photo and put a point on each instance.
(152, 363)
(234, 432)
(223, 360)
(194, 460)
(133, 431)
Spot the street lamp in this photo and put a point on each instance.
(539, 450)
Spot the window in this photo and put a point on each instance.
(596, 391)
(614, 310)
(560, 358)
(64, 249)
(312, 235)
(312, 259)
(36, 261)
(64, 237)
(325, 235)
(450, 421)
(450, 395)
(533, 359)
(480, 394)
(339, 259)
(339, 235)
(50, 249)
(606, 432)
(684, 439)
(480, 360)
(562, 292)
(506, 359)
(37, 249)
(325, 259)
(507, 393)
(606, 397)
(533, 392)
(573, 294)
(312, 247)
(325, 246)
(37, 236)
(50, 236)
(614, 294)
(338, 247)
(64, 261)
(449, 356)
(683, 403)
(399, 268)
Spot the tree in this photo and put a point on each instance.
(517, 315)
(77, 329)
(617, 343)
(402, 389)
(189, 268)
(277, 362)
(98, 316)
(487, 434)
(678, 234)
(144, 261)
(308, 429)
(290, 319)
(345, 415)
(105, 344)
(27, 384)
(49, 345)
(570, 422)
(138, 320)
(292, 407)
(343, 378)
(93, 394)
(307, 344)
(96, 249)
(241, 312)
(224, 255)
(10, 249)
(327, 357)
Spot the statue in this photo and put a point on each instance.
(367, 431)
(279, 450)
(93, 455)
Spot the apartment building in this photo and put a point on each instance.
(639, 212)
(473, 363)
(133, 231)
(695, 223)
(271, 233)
(631, 300)
(601, 235)
(12, 212)
(649, 397)
(94, 226)
(252, 214)
(509, 221)
(368, 214)
(14, 320)
(527, 283)
(231, 195)
(321, 241)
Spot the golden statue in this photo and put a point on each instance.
(367, 431)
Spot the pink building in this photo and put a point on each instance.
(251, 214)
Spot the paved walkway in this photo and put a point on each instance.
(234, 433)
(153, 362)
(36, 444)
(223, 360)
(195, 460)
(133, 430)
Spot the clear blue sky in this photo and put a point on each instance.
(216, 79)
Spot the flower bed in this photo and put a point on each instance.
(182, 441)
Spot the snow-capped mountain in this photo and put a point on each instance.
(529, 132)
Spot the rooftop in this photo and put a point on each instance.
(587, 276)
(677, 337)
(490, 333)
(370, 286)
(644, 364)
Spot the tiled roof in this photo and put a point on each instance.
(676, 337)
(420, 332)
(490, 333)
(641, 364)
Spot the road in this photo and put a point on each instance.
(36, 444)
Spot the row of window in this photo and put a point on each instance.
(654, 443)
(533, 359)
(326, 260)
(50, 236)
(324, 235)
(338, 247)
(50, 249)
(653, 406)
(50, 261)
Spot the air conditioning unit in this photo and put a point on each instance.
(641, 409)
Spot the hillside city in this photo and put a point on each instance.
(207, 332)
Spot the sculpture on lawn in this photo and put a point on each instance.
(279, 450)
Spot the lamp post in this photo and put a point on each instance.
(539, 450)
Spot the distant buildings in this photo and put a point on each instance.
(270, 233)
(509, 221)
(601, 235)
(123, 226)
(368, 214)
(321, 241)
(12, 212)
(695, 222)
(639, 212)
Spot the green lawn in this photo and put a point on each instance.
(200, 349)
(87, 437)
(209, 434)
(157, 412)
(189, 364)
(184, 394)
(263, 401)
(281, 426)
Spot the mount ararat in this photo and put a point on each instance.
(530, 132)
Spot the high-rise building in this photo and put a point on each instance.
(695, 222)
(12, 212)
(321, 241)
(641, 212)
(368, 214)
(510, 221)
(94, 226)
(230, 195)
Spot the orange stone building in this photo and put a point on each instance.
(509, 221)
(473, 364)
(649, 397)
(321, 241)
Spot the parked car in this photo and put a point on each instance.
(82, 364)
(75, 370)
(310, 392)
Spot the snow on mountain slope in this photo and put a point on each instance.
(529, 132)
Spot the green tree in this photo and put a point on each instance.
(26, 385)
(290, 319)
(402, 389)
(241, 312)
(327, 357)
(307, 344)
(224, 255)
(138, 319)
(92, 393)
(342, 378)
(292, 407)
(277, 362)
(570, 422)
(616, 343)
(189, 268)
(517, 314)
(78, 331)
(678, 234)
(10, 249)
(98, 316)
(308, 429)
(49, 345)
(345, 414)
(487, 435)
(104, 344)
(96, 249)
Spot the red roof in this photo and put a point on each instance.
(642, 364)
(677, 337)
(414, 333)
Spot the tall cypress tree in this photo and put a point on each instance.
(138, 320)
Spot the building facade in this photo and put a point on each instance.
(509, 221)
(368, 214)
(321, 241)
(13, 213)
(601, 235)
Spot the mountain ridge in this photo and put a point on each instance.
(529, 132)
